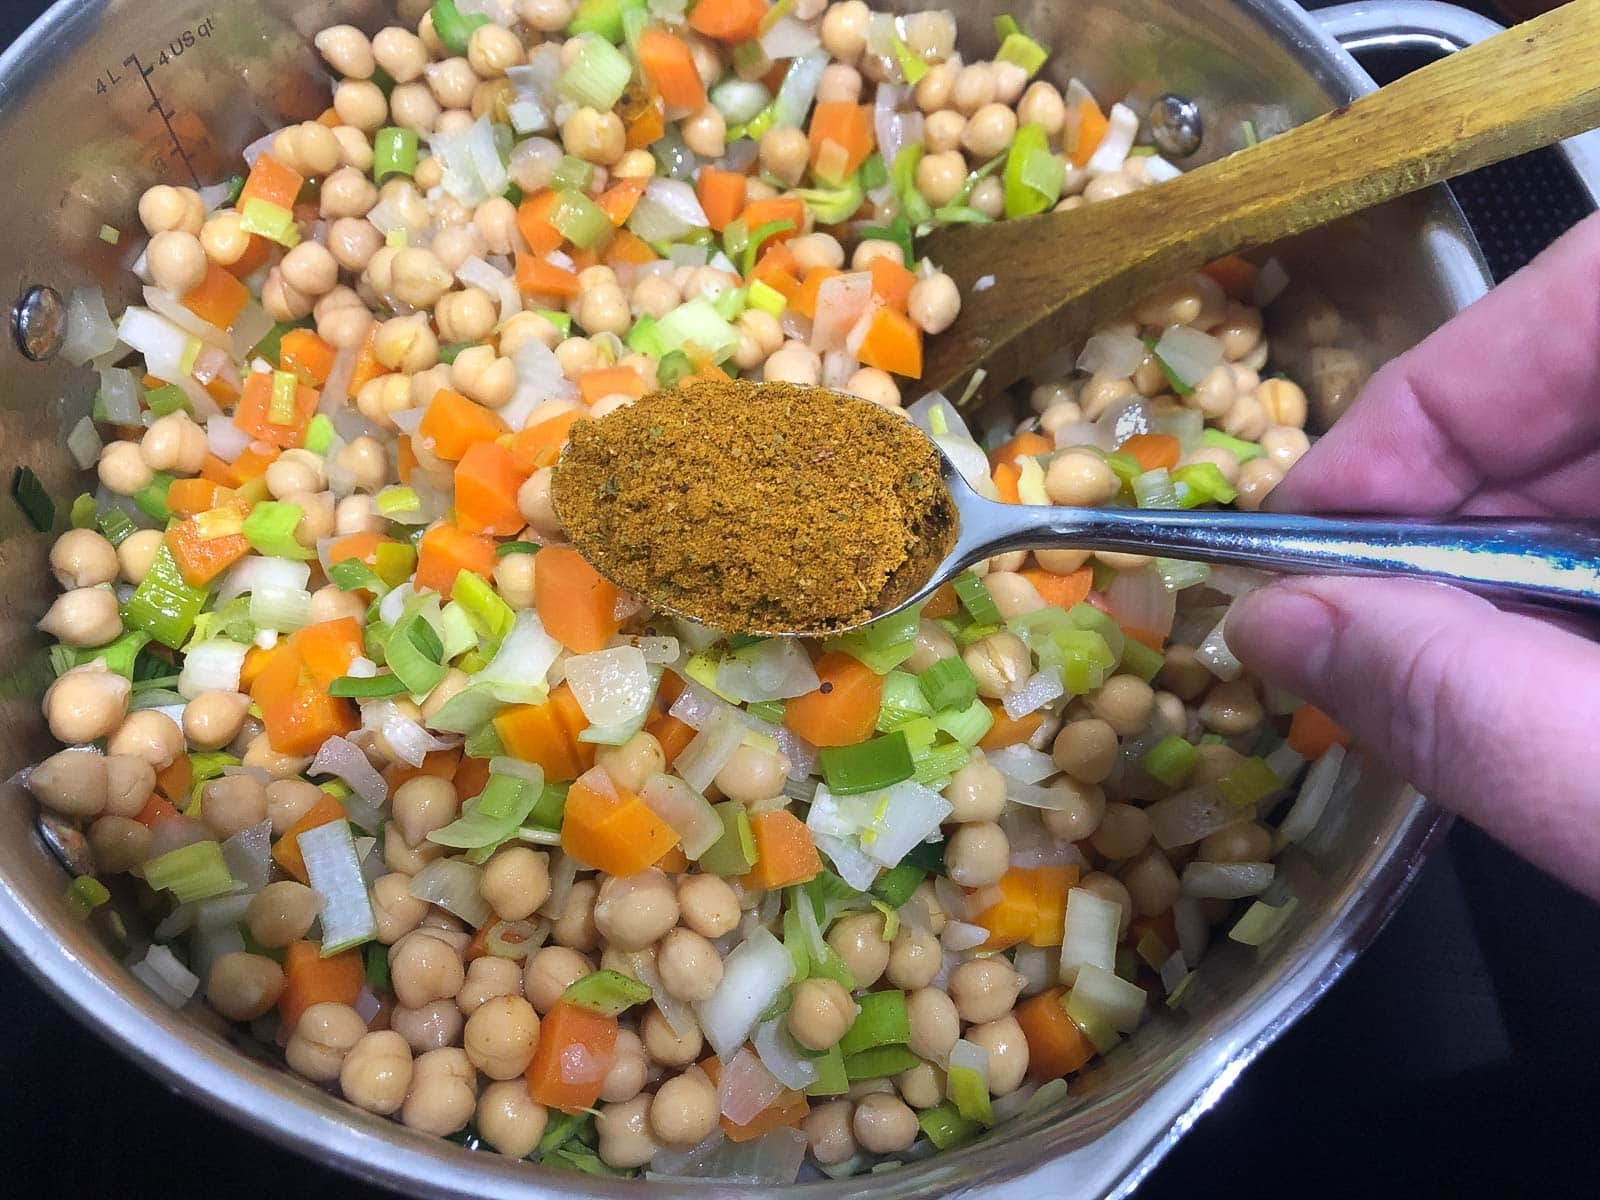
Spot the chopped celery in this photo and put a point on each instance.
(767, 299)
(115, 525)
(550, 807)
(562, 321)
(164, 605)
(83, 512)
(609, 993)
(1242, 450)
(573, 173)
(152, 498)
(598, 75)
(1154, 489)
(1250, 782)
(835, 203)
(1085, 660)
(352, 573)
(603, 17)
(879, 1062)
(1087, 616)
(270, 530)
(394, 152)
(902, 703)
(945, 1127)
(975, 599)
(1202, 483)
(163, 401)
(697, 321)
(192, 872)
(85, 894)
(831, 1077)
(1171, 760)
(579, 219)
(866, 766)
(912, 68)
(1016, 47)
(1138, 659)
(319, 434)
(454, 27)
(734, 852)
(119, 655)
(1034, 175)
(270, 221)
(939, 762)
(949, 683)
(881, 1021)
(966, 725)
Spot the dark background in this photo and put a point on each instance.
(1456, 1057)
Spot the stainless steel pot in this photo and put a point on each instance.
(104, 97)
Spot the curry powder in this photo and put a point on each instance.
(759, 508)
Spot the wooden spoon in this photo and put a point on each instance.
(1049, 279)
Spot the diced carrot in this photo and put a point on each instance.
(575, 602)
(286, 850)
(533, 220)
(218, 299)
(256, 253)
(201, 559)
(1153, 451)
(253, 417)
(173, 780)
(446, 550)
(573, 1057)
(1312, 732)
(189, 496)
(892, 283)
(841, 138)
(645, 125)
(327, 648)
(255, 661)
(156, 810)
(1015, 915)
(1145, 637)
(330, 118)
(405, 458)
(780, 208)
(298, 723)
(547, 734)
(307, 355)
(786, 1111)
(309, 978)
(893, 344)
(943, 603)
(673, 862)
(452, 423)
(440, 764)
(218, 472)
(610, 829)
(599, 382)
(1024, 445)
(271, 181)
(539, 278)
(362, 546)
(1163, 925)
(844, 709)
(487, 479)
(470, 778)
(1056, 1046)
(722, 195)
(785, 853)
(669, 65)
(728, 20)
(1092, 126)
(1236, 275)
(367, 366)
(1006, 478)
(778, 276)
(539, 445)
(626, 247)
(617, 201)
(253, 463)
(1051, 885)
(672, 733)
(1006, 732)
(1063, 591)
(804, 301)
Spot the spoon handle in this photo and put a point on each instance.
(1550, 564)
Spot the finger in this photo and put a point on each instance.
(1489, 713)
(1503, 392)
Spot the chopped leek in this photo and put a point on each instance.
(454, 27)
(696, 322)
(1262, 921)
(491, 616)
(867, 766)
(352, 687)
(1242, 450)
(505, 548)
(902, 703)
(969, 1091)
(270, 221)
(152, 498)
(767, 299)
(394, 502)
(831, 1077)
(1202, 483)
(975, 599)
(966, 725)
(598, 75)
(881, 1021)
(83, 512)
(608, 993)
(1171, 760)
(1138, 659)
(1016, 47)
(1250, 782)
(895, 886)
(164, 605)
(85, 894)
(903, 175)
(334, 870)
(352, 573)
(834, 204)
(879, 1062)
(192, 872)
(949, 683)
(1154, 489)
(1034, 175)
(734, 852)
(770, 711)
(604, 17)
(394, 152)
(413, 653)
(574, 173)
(270, 529)
(163, 401)
(945, 1127)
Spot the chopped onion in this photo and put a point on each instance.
(211, 666)
(854, 867)
(1271, 282)
(1160, 170)
(1183, 819)
(1022, 763)
(1235, 581)
(686, 810)
(255, 572)
(539, 379)
(1033, 694)
(334, 871)
(248, 855)
(738, 100)
(799, 89)
(773, 669)
(1188, 353)
(1112, 152)
(787, 1065)
(251, 325)
(1090, 933)
(1185, 424)
(789, 38)
(1194, 931)
(518, 670)
(168, 306)
(1031, 795)
(119, 396)
(710, 749)
(1107, 996)
(772, 1159)
(452, 884)
(409, 740)
(612, 687)
(959, 936)
(753, 975)
(1214, 655)
(1117, 355)
(84, 443)
(256, 148)
(341, 757)
(668, 209)
(1139, 599)
(1226, 880)
(1315, 792)
(563, 873)
(695, 706)
(970, 1056)
(841, 303)
(172, 982)
(89, 331)
(479, 274)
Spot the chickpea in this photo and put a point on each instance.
(353, 241)
(942, 131)
(1000, 662)
(443, 1094)
(547, 16)
(466, 316)
(84, 617)
(1007, 1049)
(174, 443)
(1152, 884)
(488, 977)
(575, 927)
(164, 208)
(326, 1033)
(935, 303)
(923, 1086)
(1080, 815)
(481, 375)
(753, 775)
(1257, 478)
(932, 644)
(1214, 763)
(1124, 702)
(119, 844)
(424, 968)
(989, 130)
(150, 735)
(294, 471)
(1086, 749)
(821, 1013)
(1111, 889)
(828, 1132)
(281, 913)
(1285, 446)
(708, 905)
(244, 986)
(500, 1037)
(177, 261)
(840, 81)
(844, 30)
(1241, 842)
(915, 958)
(82, 558)
(346, 193)
(72, 783)
(595, 136)
(288, 800)
(1231, 709)
(977, 854)
(283, 302)
(794, 363)
(666, 1045)
(684, 1110)
(883, 1124)
(814, 250)
(1124, 831)
(1081, 478)
(509, 1119)
(1109, 186)
(377, 1072)
(633, 911)
(985, 989)
(122, 468)
(86, 703)
(232, 804)
(858, 940)
(419, 278)
(689, 965)
(784, 154)
(347, 50)
(513, 577)
(360, 102)
(223, 238)
(1042, 104)
(549, 973)
(941, 176)
(629, 1069)
(625, 1135)
(423, 804)
(1284, 402)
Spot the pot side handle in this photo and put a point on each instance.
(1439, 28)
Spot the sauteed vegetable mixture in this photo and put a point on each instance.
(404, 784)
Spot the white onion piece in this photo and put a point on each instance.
(248, 855)
(171, 981)
(1090, 933)
(1112, 152)
(972, 1057)
(1315, 792)
(789, 38)
(773, 669)
(563, 873)
(1139, 599)
(1213, 654)
(1189, 354)
(479, 274)
(119, 396)
(84, 444)
(1033, 693)
(169, 307)
(251, 325)
(1037, 966)
(255, 572)
(211, 666)
(841, 301)
(1226, 881)
(753, 975)
(256, 148)
(787, 1065)
(710, 749)
(341, 757)
(1021, 762)
(1194, 931)
(686, 810)
(959, 936)
(1183, 819)
(1271, 282)
(334, 870)
(612, 687)
(90, 331)
(1160, 170)
(452, 884)
(1111, 353)
(1031, 795)
(852, 866)
(1235, 581)
(1109, 997)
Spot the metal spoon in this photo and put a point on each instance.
(1513, 561)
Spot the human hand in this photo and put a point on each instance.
(1489, 713)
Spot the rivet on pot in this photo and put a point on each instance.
(1175, 125)
(39, 322)
(67, 843)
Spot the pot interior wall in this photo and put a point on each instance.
(113, 95)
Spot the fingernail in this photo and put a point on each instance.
(1284, 631)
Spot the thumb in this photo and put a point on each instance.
(1489, 713)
